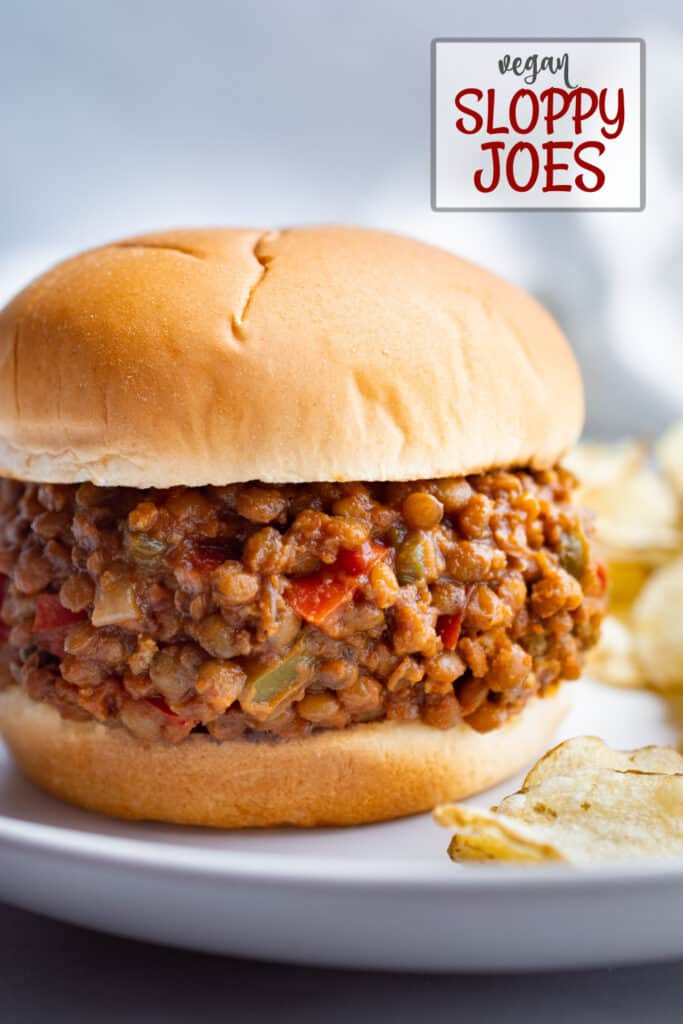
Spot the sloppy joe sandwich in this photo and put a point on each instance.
(284, 537)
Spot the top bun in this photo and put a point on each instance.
(224, 355)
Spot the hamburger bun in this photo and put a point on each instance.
(317, 354)
(340, 777)
(218, 356)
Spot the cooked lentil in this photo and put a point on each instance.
(254, 609)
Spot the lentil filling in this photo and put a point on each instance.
(257, 610)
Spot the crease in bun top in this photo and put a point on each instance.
(283, 533)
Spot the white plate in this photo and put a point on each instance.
(380, 896)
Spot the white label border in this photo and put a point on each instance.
(537, 209)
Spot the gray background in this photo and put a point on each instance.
(56, 973)
(119, 117)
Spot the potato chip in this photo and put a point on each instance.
(586, 752)
(637, 496)
(657, 623)
(582, 802)
(640, 514)
(601, 465)
(625, 581)
(669, 451)
(614, 659)
(484, 835)
(637, 512)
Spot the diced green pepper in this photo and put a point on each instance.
(411, 559)
(145, 550)
(268, 687)
(572, 553)
(396, 534)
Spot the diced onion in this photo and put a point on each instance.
(115, 603)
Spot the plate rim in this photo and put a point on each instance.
(332, 871)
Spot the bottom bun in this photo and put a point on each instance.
(347, 777)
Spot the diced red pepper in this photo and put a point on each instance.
(52, 640)
(161, 705)
(317, 595)
(601, 572)
(51, 614)
(360, 560)
(208, 554)
(52, 623)
(448, 626)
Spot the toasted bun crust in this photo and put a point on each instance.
(348, 777)
(218, 356)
